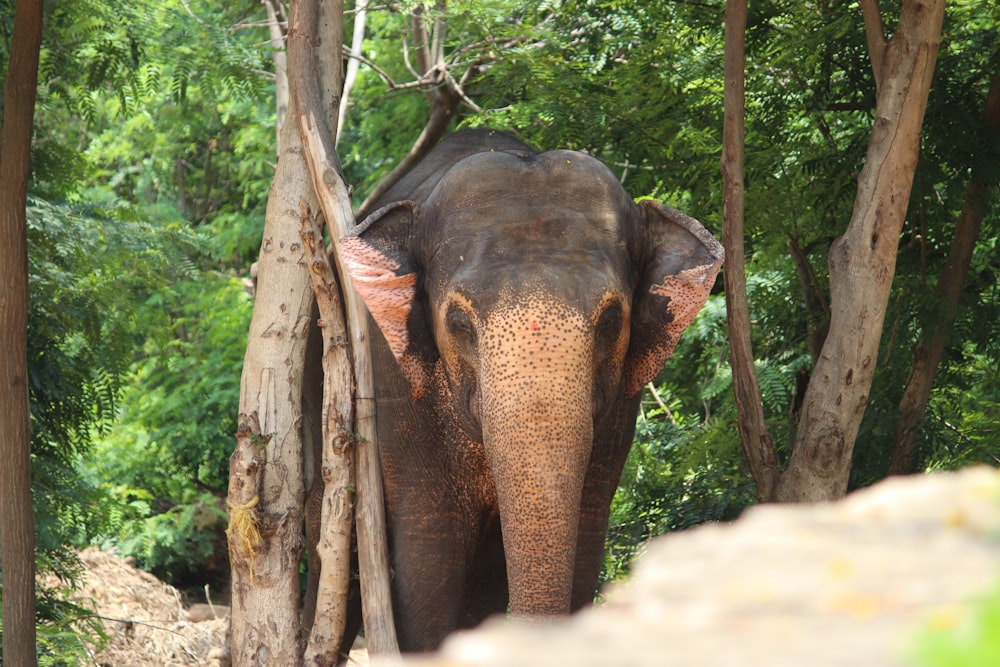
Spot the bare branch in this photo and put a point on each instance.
(381, 73)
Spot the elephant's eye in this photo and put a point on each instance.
(609, 325)
(460, 324)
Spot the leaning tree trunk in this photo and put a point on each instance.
(862, 262)
(17, 527)
(930, 347)
(266, 479)
(316, 30)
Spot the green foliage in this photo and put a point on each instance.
(69, 632)
(180, 542)
(179, 411)
(681, 472)
(685, 466)
(969, 641)
(86, 268)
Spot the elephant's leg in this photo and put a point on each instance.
(610, 452)
(594, 510)
(428, 545)
(486, 591)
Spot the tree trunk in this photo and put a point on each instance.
(817, 312)
(265, 484)
(353, 64)
(275, 18)
(756, 440)
(316, 31)
(17, 527)
(930, 347)
(333, 546)
(862, 262)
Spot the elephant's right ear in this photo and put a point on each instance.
(680, 262)
(378, 257)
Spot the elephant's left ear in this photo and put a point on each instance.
(378, 256)
(681, 261)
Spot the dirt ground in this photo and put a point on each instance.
(147, 621)
(150, 624)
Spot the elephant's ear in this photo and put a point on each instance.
(378, 257)
(681, 260)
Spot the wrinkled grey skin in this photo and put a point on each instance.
(524, 300)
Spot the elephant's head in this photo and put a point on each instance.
(533, 294)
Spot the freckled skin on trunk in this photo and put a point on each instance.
(538, 433)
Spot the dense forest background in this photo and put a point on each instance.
(154, 145)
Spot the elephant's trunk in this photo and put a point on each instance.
(538, 433)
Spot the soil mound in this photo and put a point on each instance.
(146, 619)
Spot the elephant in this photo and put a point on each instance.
(522, 301)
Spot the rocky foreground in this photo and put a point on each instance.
(853, 583)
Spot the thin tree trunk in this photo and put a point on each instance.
(317, 30)
(862, 262)
(930, 347)
(353, 64)
(276, 32)
(817, 312)
(17, 527)
(266, 479)
(333, 548)
(756, 440)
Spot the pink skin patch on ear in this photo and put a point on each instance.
(687, 291)
(389, 297)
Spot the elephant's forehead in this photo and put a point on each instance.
(539, 242)
(562, 195)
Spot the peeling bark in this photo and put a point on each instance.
(266, 481)
(333, 547)
(316, 31)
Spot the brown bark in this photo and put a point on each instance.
(930, 347)
(17, 527)
(862, 262)
(817, 311)
(265, 485)
(754, 436)
(311, 35)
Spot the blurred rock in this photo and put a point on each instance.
(842, 584)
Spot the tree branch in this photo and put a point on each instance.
(875, 35)
(353, 64)
(930, 347)
(443, 96)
